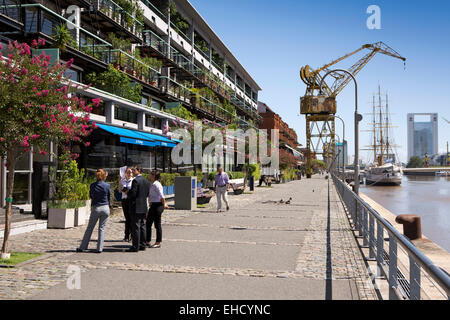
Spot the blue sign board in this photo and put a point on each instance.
(138, 142)
(193, 187)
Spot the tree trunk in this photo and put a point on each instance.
(11, 160)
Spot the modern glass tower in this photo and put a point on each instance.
(422, 134)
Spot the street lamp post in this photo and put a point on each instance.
(343, 145)
(358, 118)
(338, 158)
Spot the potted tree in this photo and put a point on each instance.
(69, 207)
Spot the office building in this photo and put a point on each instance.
(170, 55)
(422, 134)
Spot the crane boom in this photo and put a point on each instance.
(312, 78)
(320, 109)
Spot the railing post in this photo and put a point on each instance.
(380, 244)
(364, 226)
(358, 218)
(371, 237)
(414, 279)
(393, 281)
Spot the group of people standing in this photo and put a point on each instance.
(139, 218)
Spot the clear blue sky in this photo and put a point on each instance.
(273, 39)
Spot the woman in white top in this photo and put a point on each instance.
(157, 206)
(124, 186)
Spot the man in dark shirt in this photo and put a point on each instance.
(137, 196)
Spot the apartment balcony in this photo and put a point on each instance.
(186, 69)
(133, 67)
(201, 105)
(113, 18)
(10, 17)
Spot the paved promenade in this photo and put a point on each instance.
(260, 249)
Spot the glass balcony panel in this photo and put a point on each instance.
(10, 9)
(31, 20)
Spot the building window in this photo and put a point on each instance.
(72, 75)
(152, 122)
(125, 115)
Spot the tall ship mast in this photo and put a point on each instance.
(383, 170)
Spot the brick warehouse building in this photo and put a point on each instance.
(289, 154)
(173, 56)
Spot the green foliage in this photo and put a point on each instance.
(217, 59)
(191, 173)
(70, 185)
(151, 62)
(119, 43)
(231, 175)
(289, 173)
(168, 179)
(237, 174)
(116, 82)
(177, 19)
(63, 204)
(200, 43)
(415, 162)
(63, 37)
(18, 257)
(316, 163)
(254, 170)
(182, 112)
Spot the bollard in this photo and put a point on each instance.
(412, 227)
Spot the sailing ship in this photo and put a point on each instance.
(383, 170)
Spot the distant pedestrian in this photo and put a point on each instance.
(125, 186)
(138, 209)
(157, 206)
(100, 208)
(221, 187)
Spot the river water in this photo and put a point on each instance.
(426, 196)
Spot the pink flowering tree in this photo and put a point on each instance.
(37, 105)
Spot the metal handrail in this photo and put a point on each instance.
(436, 273)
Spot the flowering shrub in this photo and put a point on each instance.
(36, 106)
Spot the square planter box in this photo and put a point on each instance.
(61, 218)
(88, 210)
(80, 216)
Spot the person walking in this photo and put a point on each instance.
(100, 204)
(125, 185)
(221, 187)
(137, 196)
(157, 206)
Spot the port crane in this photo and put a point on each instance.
(319, 104)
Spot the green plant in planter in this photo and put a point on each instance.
(63, 38)
(116, 82)
(71, 189)
(119, 43)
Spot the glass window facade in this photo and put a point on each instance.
(423, 138)
(125, 115)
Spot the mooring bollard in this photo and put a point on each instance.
(412, 226)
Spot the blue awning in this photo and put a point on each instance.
(163, 141)
(139, 137)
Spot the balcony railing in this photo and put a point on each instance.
(181, 33)
(11, 9)
(203, 53)
(175, 89)
(212, 81)
(185, 94)
(134, 67)
(120, 16)
(155, 10)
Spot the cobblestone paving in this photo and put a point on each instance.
(346, 261)
(339, 248)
